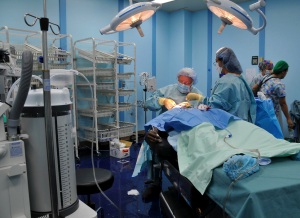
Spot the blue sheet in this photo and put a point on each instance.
(182, 119)
(271, 192)
(266, 118)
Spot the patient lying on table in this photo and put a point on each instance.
(203, 141)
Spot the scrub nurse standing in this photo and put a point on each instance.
(266, 68)
(274, 89)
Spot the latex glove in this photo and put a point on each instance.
(168, 103)
(194, 96)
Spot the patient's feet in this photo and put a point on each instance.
(151, 191)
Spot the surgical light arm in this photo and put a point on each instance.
(256, 6)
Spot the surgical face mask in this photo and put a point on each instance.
(268, 72)
(183, 88)
(219, 70)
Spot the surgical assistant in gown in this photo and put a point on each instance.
(233, 94)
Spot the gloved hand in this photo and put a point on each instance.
(168, 103)
(194, 96)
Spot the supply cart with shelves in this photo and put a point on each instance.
(108, 84)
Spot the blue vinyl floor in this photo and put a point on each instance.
(132, 206)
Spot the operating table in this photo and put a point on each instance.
(271, 192)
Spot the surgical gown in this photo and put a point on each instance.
(233, 94)
(169, 92)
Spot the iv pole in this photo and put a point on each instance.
(44, 24)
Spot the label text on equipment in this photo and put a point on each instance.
(16, 150)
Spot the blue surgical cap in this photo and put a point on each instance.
(230, 61)
(189, 72)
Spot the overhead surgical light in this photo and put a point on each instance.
(232, 14)
(132, 17)
(162, 1)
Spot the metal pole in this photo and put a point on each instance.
(145, 108)
(48, 125)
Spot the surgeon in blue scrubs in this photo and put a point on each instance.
(231, 93)
(169, 96)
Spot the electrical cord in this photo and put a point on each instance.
(257, 162)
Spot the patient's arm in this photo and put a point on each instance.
(153, 136)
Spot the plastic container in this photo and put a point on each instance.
(61, 78)
(261, 96)
(117, 152)
(291, 133)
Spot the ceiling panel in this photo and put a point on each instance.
(189, 5)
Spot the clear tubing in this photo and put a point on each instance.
(257, 162)
(16, 83)
(251, 150)
(92, 156)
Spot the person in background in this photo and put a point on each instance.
(231, 93)
(265, 68)
(168, 97)
(274, 89)
(162, 100)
